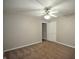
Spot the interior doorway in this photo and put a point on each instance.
(44, 31)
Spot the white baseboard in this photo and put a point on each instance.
(65, 44)
(22, 46)
(35, 43)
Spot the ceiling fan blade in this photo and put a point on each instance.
(55, 3)
(53, 15)
(53, 11)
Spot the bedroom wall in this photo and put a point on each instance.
(51, 31)
(66, 30)
(21, 30)
(62, 30)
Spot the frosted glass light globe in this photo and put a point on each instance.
(47, 17)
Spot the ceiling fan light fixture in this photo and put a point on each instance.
(47, 16)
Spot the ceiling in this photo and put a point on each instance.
(35, 7)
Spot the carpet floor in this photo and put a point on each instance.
(44, 50)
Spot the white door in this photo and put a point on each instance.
(51, 31)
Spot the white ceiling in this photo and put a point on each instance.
(35, 7)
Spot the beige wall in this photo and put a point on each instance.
(62, 30)
(51, 31)
(66, 30)
(20, 30)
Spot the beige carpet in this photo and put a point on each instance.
(45, 50)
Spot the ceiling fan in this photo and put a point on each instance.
(47, 12)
